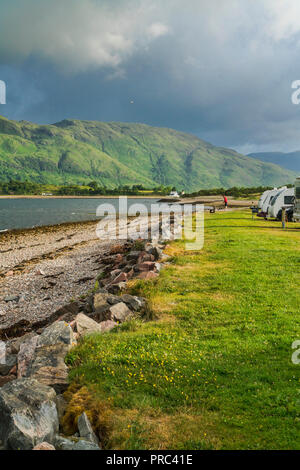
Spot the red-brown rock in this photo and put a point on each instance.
(146, 275)
(44, 446)
(146, 266)
(7, 378)
(122, 277)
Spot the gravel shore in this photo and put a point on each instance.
(43, 269)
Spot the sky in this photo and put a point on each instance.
(219, 69)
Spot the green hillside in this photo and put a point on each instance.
(116, 154)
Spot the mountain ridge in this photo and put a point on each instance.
(119, 153)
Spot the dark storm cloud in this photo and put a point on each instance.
(220, 69)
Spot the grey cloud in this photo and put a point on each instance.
(220, 69)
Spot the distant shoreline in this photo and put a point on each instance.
(30, 196)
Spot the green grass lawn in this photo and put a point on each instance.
(214, 371)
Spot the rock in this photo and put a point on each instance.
(12, 298)
(44, 446)
(62, 443)
(26, 355)
(122, 277)
(133, 255)
(14, 345)
(155, 251)
(82, 444)
(49, 368)
(57, 333)
(28, 414)
(116, 288)
(86, 325)
(147, 275)
(14, 370)
(145, 266)
(117, 249)
(118, 258)
(113, 299)
(107, 325)
(158, 267)
(68, 311)
(120, 312)
(10, 362)
(61, 406)
(85, 429)
(2, 313)
(6, 379)
(48, 365)
(115, 273)
(146, 257)
(100, 302)
(134, 303)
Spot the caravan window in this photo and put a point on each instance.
(297, 191)
(288, 200)
(274, 199)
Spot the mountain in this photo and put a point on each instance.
(290, 161)
(114, 154)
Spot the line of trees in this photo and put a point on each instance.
(91, 189)
(234, 191)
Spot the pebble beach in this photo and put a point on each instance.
(45, 268)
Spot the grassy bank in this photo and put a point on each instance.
(214, 371)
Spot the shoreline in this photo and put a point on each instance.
(217, 202)
(45, 268)
(31, 196)
(43, 229)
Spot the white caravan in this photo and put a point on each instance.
(296, 213)
(174, 194)
(284, 197)
(262, 198)
(267, 201)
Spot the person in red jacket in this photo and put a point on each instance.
(225, 201)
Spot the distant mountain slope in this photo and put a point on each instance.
(290, 161)
(116, 154)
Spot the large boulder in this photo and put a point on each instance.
(62, 443)
(5, 379)
(44, 446)
(14, 345)
(107, 325)
(100, 304)
(26, 355)
(48, 365)
(116, 288)
(28, 414)
(133, 302)
(57, 333)
(133, 255)
(10, 362)
(147, 275)
(85, 429)
(86, 325)
(145, 266)
(120, 312)
(155, 251)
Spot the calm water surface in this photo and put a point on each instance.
(27, 213)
